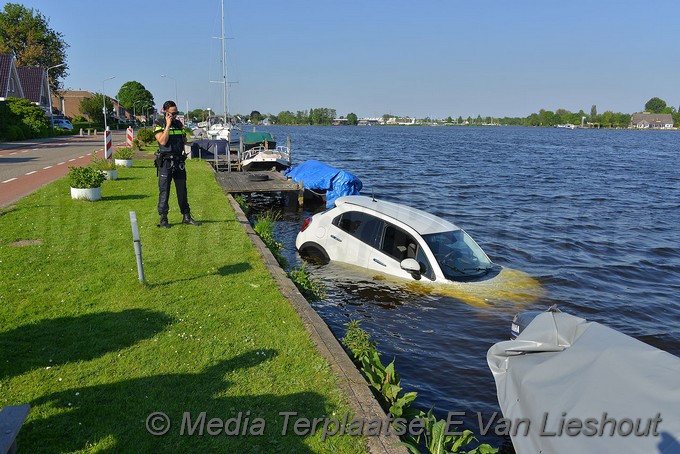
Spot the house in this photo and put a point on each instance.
(10, 83)
(35, 85)
(651, 121)
(67, 102)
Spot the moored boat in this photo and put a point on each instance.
(260, 152)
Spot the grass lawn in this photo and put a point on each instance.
(94, 352)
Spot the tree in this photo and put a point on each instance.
(352, 119)
(593, 111)
(92, 107)
(655, 105)
(286, 118)
(133, 92)
(26, 34)
(255, 117)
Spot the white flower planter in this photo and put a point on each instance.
(111, 174)
(90, 194)
(123, 162)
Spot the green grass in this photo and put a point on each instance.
(95, 352)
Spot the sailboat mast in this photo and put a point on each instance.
(224, 69)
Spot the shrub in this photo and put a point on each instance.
(264, 227)
(14, 133)
(146, 136)
(21, 113)
(101, 163)
(85, 177)
(242, 203)
(124, 153)
(311, 288)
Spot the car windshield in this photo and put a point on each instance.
(458, 255)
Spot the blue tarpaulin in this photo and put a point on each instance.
(318, 176)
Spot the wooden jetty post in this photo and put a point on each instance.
(301, 193)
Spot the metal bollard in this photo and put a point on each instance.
(138, 246)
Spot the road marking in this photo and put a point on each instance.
(63, 162)
(71, 160)
(11, 179)
(31, 172)
(26, 151)
(13, 153)
(48, 167)
(81, 157)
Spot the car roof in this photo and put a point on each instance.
(422, 222)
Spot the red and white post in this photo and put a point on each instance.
(129, 137)
(108, 151)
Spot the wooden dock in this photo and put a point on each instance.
(246, 182)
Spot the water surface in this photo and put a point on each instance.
(593, 215)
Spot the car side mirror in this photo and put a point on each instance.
(410, 265)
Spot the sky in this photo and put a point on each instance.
(427, 58)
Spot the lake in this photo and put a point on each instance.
(592, 215)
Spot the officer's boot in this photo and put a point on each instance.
(164, 221)
(188, 220)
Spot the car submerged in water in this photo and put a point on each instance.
(394, 239)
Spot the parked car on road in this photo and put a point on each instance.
(393, 239)
(62, 123)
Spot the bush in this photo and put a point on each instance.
(146, 136)
(85, 177)
(264, 227)
(124, 153)
(101, 163)
(311, 288)
(28, 117)
(14, 133)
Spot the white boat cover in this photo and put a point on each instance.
(566, 385)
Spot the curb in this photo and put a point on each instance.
(352, 383)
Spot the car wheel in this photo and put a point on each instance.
(314, 253)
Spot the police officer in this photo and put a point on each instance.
(170, 159)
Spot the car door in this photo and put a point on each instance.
(394, 245)
(350, 237)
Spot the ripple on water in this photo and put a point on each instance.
(592, 216)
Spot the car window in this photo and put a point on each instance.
(400, 245)
(360, 225)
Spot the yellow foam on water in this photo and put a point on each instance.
(510, 287)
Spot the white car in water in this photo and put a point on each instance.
(393, 239)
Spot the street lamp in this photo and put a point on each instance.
(147, 113)
(104, 109)
(134, 110)
(50, 92)
(175, 81)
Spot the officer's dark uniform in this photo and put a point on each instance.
(170, 163)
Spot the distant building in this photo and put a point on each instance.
(651, 121)
(10, 84)
(67, 102)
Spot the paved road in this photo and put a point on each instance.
(28, 165)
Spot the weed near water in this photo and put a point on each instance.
(386, 384)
